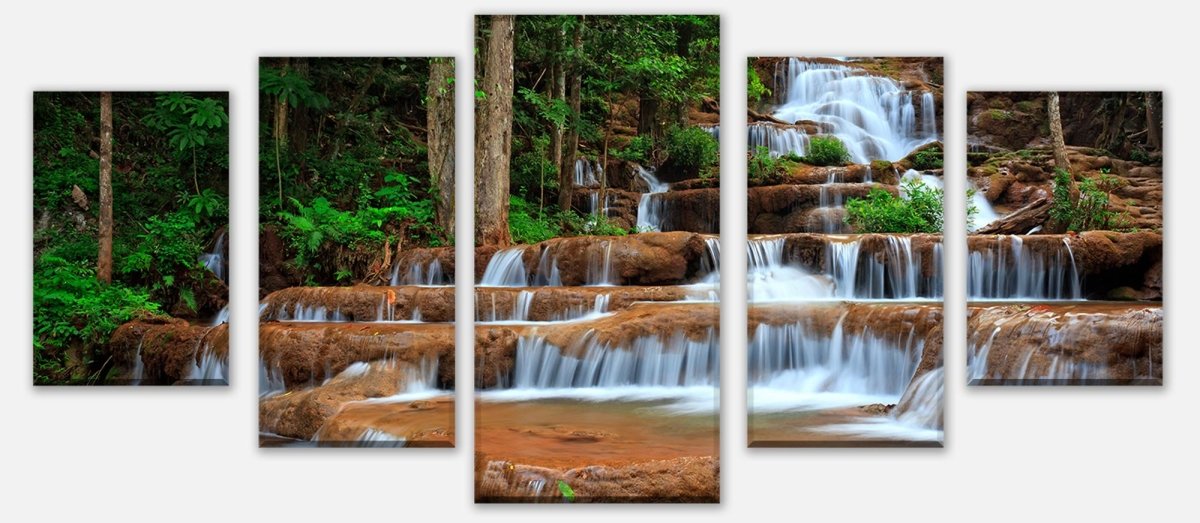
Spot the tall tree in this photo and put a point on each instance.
(104, 260)
(1153, 131)
(439, 117)
(493, 135)
(1056, 134)
(566, 169)
(281, 107)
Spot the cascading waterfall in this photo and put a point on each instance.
(427, 274)
(587, 172)
(215, 261)
(771, 279)
(864, 275)
(712, 130)
(1007, 270)
(650, 213)
(794, 366)
(873, 115)
(778, 140)
(506, 269)
(489, 311)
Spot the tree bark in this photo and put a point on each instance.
(566, 169)
(1056, 134)
(439, 116)
(648, 116)
(104, 260)
(1153, 131)
(1022, 220)
(280, 134)
(301, 116)
(493, 136)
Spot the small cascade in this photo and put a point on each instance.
(1007, 269)
(712, 130)
(710, 264)
(985, 214)
(770, 279)
(421, 274)
(372, 437)
(922, 403)
(831, 201)
(211, 369)
(489, 310)
(801, 366)
(778, 140)
(221, 317)
(873, 115)
(587, 173)
(599, 269)
(647, 361)
(506, 269)
(893, 273)
(215, 261)
(139, 368)
(650, 213)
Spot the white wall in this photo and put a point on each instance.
(190, 454)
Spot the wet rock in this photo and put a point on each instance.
(667, 258)
(170, 348)
(304, 354)
(360, 303)
(683, 480)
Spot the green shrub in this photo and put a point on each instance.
(1139, 156)
(70, 306)
(526, 224)
(763, 165)
(826, 150)
(755, 90)
(999, 115)
(1089, 209)
(919, 210)
(640, 149)
(881, 165)
(692, 148)
(927, 159)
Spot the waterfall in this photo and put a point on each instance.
(710, 264)
(770, 279)
(215, 261)
(489, 311)
(1007, 269)
(712, 130)
(921, 404)
(928, 115)
(139, 368)
(873, 115)
(796, 366)
(211, 369)
(586, 172)
(421, 274)
(985, 213)
(647, 361)
(650, 213)
(893, 273)
(270, 380)
(506, 269)
(372, 437)
(600, 269)
(778, 140)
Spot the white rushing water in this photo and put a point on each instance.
(587, 172)
(426, 274)
(650, 214)
(891, 269)
(1007, 269)
(675, 369)
(873, 115)
(215, 261)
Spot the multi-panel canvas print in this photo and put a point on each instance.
(356, 274)
(1065, 240)
(597, 258)
(130, 251)
(845, 251)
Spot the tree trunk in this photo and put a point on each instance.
(648, 116)
(557, 92)
(1056, 134)
(104, 260)
(566, 168)
(493, 136)
(439, 117)
(301, 116)
(280, 134)
(1022, 220)
(1153, 131)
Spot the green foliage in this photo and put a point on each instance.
(639, 150)
(1139, 155)
(692, 147)
(755, 90)
(881, 165)
(566, 490)
(527, 224)
(1089, 209)
(999, 115)
(293, 89)
(826, 150)
(71, 307)
(927, 159)
(919, 210)
(763, 165)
